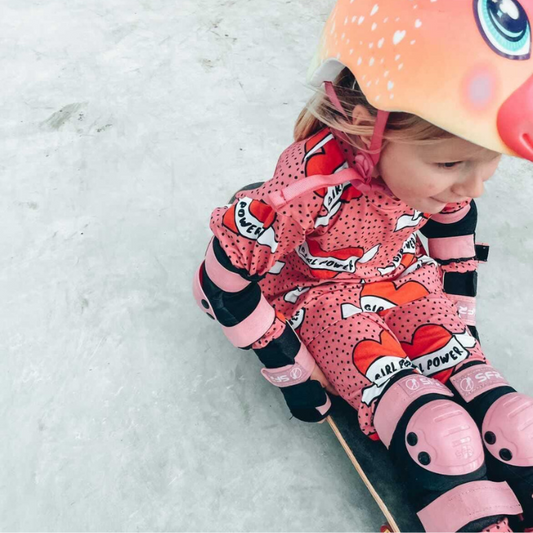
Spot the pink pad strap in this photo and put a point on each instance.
(445, 248)
(476, 380)
(466, 306)
(223, 278)
(289, 375)
(396, 400)
(253, 327)
(469, 502)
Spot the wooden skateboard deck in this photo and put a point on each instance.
(373, 463)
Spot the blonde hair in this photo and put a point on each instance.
(401, 127)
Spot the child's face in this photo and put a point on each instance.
(429, 177)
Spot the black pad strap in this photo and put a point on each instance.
(281, 351)
(461, 283)
(482, 252)
(231, 308)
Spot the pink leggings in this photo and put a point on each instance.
(359, 354)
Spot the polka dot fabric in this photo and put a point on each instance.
(346, 268)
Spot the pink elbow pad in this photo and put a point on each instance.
(253, 327)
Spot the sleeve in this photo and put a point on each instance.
(451, 242)
(249, 238)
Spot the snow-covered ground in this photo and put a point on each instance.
(124, 123)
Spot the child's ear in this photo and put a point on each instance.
(362, 116)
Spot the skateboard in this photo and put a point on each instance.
(373, 463)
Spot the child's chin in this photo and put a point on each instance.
(429, 206)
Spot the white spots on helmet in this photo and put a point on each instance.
(343, 36)
(382, 60)
(413, 41)
(354, 18)
(370, 45)
(418, 23)
(398, 36)
(361, 20)
(397, 19)
(369, 84)
(390, 85)
(351, 51)
(339, 55)
(380, 42)
(385, 20)
(371, 62)
(374, 10)
(378, 97)
(359, 61)
(386, 73)
(346, 21)
(332, 31)
(400, 66)
(397, 57)
(391, 96)
(374, 26)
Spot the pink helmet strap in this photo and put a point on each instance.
(377, 137)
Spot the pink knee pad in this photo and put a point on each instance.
(440, 436)
(508, 429)
(443, 438)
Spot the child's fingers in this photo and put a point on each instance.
(318, 375)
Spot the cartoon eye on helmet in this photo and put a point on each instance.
(505, 27)
(463, 65)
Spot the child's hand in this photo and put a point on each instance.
(318, 375)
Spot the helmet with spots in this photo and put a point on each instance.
(463, 65)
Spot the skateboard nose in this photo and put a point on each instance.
(515, 120)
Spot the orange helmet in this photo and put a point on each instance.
(463, 65)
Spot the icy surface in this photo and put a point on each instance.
(122, 408)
